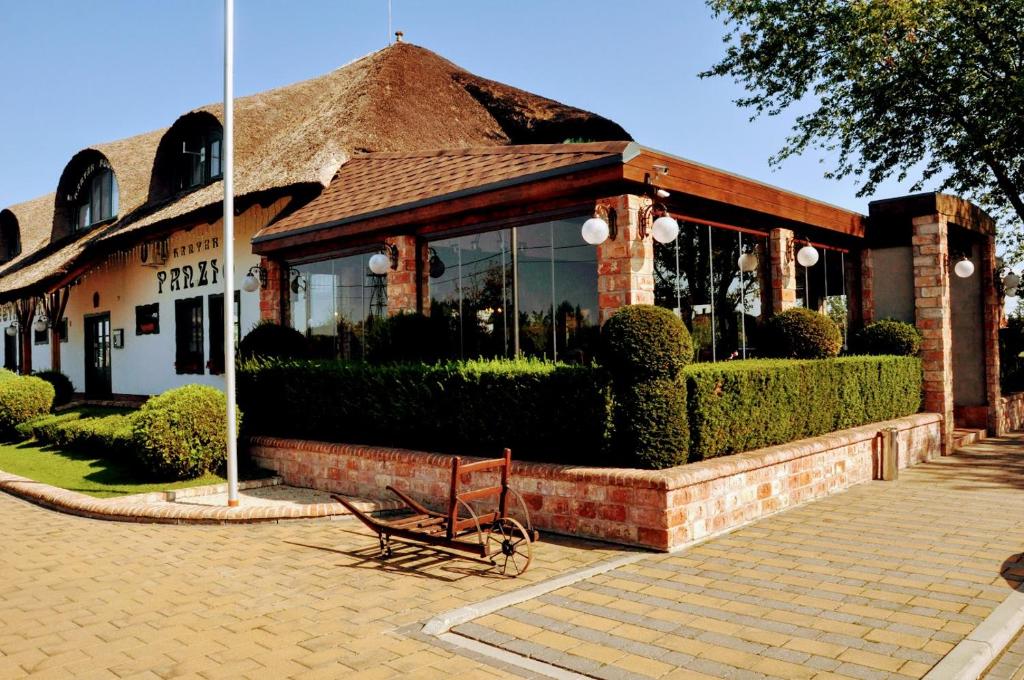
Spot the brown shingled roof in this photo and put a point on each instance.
(399, 99)
(376, 182)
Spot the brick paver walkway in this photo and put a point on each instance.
(1010, 664)
(880, 580)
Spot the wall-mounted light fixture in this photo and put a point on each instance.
(654, 214)
(384, 260)
(40, 324)
(807, 256)
(435, 266)
(747, 262)
(1010, 284)
(963, 267)
(12, 330)
(255, 278)
(602, 226)
(297, 283)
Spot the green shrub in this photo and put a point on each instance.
(743, 405)
(888, 336)
(62, 387)
(7, 375)
(181, 433)
(543, 411)
(268, 339)
(406, 337)
(799, 333)
(641, 342)
(651, 424)
(21, 400)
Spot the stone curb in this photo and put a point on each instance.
(972, 655)
(145, 508)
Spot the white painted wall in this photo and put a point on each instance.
(145, 365)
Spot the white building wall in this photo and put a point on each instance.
(145, 364)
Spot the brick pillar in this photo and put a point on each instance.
(993, 312)
(404, 282)
(625, 265)
(274, 297)
(867, 286)
(780, 247)
(932, 317)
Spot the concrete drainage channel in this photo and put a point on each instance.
(438, 630)
(968, 660)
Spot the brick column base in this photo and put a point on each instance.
(932, 318)
(867, 286)
(625, 265)
(783, 279)
(274, 296)
(403, 282)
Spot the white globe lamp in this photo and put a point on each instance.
(250, 283)
(39, 325)
(1011, 282)
(665, 229)
(12, 330)
(747, 262)
(807, 256)
(595, 231)
(964, 268)
(379, 264)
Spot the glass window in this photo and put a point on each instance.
(147, 319)
(200, 159)
(216, 313)
(62, 329)
(332, 301)
(188, 335)
(698, 276)
(41, 337)
(528, 290)
(99, 201)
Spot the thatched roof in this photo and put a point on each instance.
(400, 98)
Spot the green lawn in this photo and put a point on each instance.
(85, 473)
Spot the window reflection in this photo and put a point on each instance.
(529, 290)
(823, 287)
(332, 301)
(699, 277)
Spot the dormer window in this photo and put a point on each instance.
(200, 159)
(96, 197)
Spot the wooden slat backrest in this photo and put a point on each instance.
(504, 464)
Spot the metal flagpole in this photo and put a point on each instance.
(229, 248)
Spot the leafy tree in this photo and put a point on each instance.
(900, 87)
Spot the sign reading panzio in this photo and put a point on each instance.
(184, 277)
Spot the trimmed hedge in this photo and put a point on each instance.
(63, 389)
(268, 339)
(108, 436)
(641, 342)
(744, 405)
(799, 333)
(651, 424)
(22, 399)
(182, 433)
(542, 411)
(888, 336)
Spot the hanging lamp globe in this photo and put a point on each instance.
(11, 330)
(1011, 281)
(595, 231)
(807, 256)
(39, 325)
(964, 268)
(379, 264)
(665, 229)
(250, 283)
(747, 262)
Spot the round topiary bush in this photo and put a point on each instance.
(271, 340)
(7, 375)
(22, 399)
(799, 333)
(181, 434)
(651, 426)
(406, 337)
(641, 342)
(62, 386)
(889, 336)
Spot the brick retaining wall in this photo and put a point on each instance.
(663, 510)
(1011, 415)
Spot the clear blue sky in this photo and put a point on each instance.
(80, 73)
